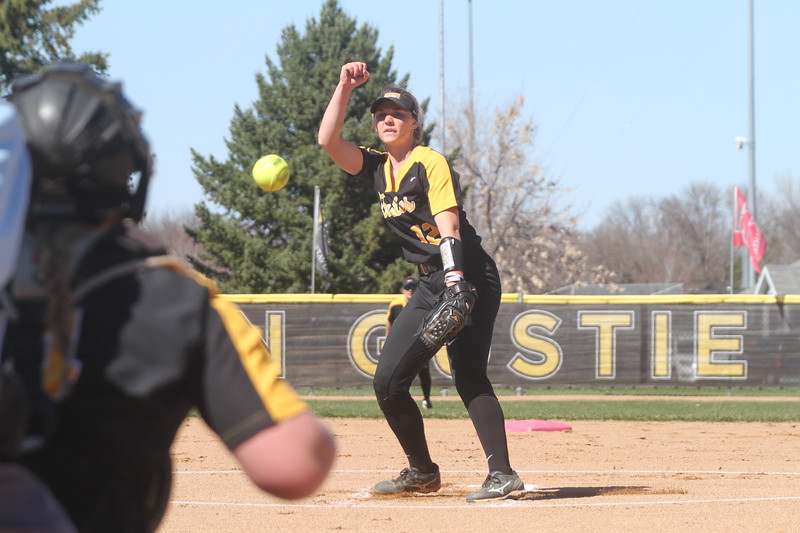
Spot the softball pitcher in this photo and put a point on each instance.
(459, 288)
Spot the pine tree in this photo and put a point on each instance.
(32, 36)
(260, 242)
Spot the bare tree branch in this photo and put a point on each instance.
(514, 205)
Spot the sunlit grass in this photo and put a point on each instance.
(673, 407)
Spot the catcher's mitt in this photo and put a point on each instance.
(450, 315)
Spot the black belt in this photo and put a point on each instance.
(429, 267)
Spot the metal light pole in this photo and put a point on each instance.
(751, 145)
(471, 85)
(748, 273)
(315, 233)
(441, 74)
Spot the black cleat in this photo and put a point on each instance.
(497, 486)
(411, 480)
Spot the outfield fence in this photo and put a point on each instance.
(324, 340)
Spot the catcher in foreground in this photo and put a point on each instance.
(114, 342)
(420, 196)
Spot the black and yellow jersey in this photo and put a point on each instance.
(425, 185)
(152, 342)
(395, 306)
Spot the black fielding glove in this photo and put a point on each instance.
(449, 316)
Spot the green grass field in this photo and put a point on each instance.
(642, 390)
(671, 407)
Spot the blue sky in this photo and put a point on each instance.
(632, 98)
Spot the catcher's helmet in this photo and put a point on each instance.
(85, 145)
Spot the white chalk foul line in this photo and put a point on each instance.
(361, 504)
(360, 498)
(618, 471)
(707, 472)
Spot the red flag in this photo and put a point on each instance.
(746, 232)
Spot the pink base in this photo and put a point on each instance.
(536, 425)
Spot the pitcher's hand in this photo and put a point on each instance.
(353, 74)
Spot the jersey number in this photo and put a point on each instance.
(427, 233)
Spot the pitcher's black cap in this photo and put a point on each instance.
(401, 99)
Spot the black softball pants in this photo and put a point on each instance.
(403, 355)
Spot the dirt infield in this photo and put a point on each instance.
(600, 476)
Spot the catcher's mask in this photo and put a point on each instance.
(85, 143)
